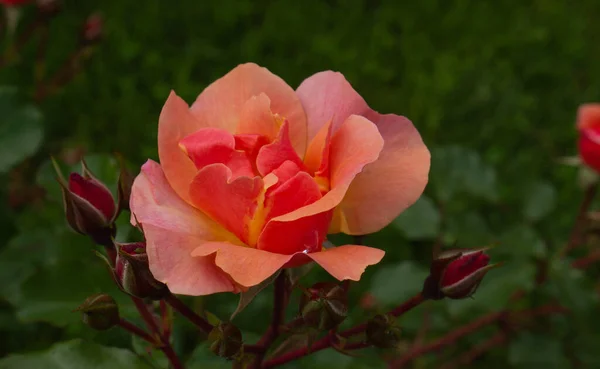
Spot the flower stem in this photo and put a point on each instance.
(134, 329)
(328, 340)
(580, 220)
(188, 313)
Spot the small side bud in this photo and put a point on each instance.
(456, 274)
(124, 187)
(382, 332)
(225, 340)
(100, 312)
(133, 273)
(324, 306)
(89, 205)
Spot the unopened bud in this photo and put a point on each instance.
(133, 275)
(89, 206)
(324, 306)
(99, 312)
(456, 274)
(92, 29)
(225, 340)
(382, 332)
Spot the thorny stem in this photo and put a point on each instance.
(280, 298)
(580, 220)
(165, 345)
(134, 329)
(188, 313)
(328, 340)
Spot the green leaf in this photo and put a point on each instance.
(420, 221)
(203, 358)
(396, 283)
(521, 243)
(295, 274)
(540, 199)
(20, 129)
(247, 297)
(149, 353)
(534, 351)
(76, 354)
(456, 169)
(468, 230)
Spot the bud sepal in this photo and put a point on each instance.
(324, 305)
(100, 312)
(132, 272)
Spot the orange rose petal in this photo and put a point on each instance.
(347, 262)
(172, 229)
(213, 145)
(221, 103)
(175, 123)
(246, 266)
(356, 144)
(271, 156)
(389, 185)
(170, 262)
(328, 96)
(256, 118)
(226, 200)
(302, 235)
(317, 153)
(588, 115)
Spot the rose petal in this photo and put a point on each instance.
(327, 96)
(302, 235)
(347, 262)
(256, 118)
(175, 123)
(216, 146)
(221, 103)
(246, 266)
(390, 184)
(356, 144)
(271, 156)
(231, 202)
(172, 229)
(317, 153)
(588, 115)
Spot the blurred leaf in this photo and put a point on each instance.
(456, 169)
(395, 283)
(295, 274)
(76, 354)
(535, 351)
(540, 199)
(469, 229)
(20, 129)
(420, 221)
(247, 297)
(572, 289)
(151, 354)
(520, 243)
(203, 358)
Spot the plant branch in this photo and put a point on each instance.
(134, 329)
(328, 340)
(580, 220)
(188, 313)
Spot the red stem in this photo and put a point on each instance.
(134, 329)
(327, 341)
(188, 313)
(586, 261)
(580, 220)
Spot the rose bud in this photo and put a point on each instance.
(99, 312)
(588, 125)
(133, 274)
(456, 274)
(92, 29)
(324, 306)
(382, 332)
(89, 205)
(225, 340)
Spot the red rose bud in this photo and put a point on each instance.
(92, 29)
(588, 124)
(133, 273)
(89, 206)
(324, 306)
(461, 276)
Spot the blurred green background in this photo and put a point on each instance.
(493, 87)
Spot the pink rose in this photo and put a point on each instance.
(254, 175)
